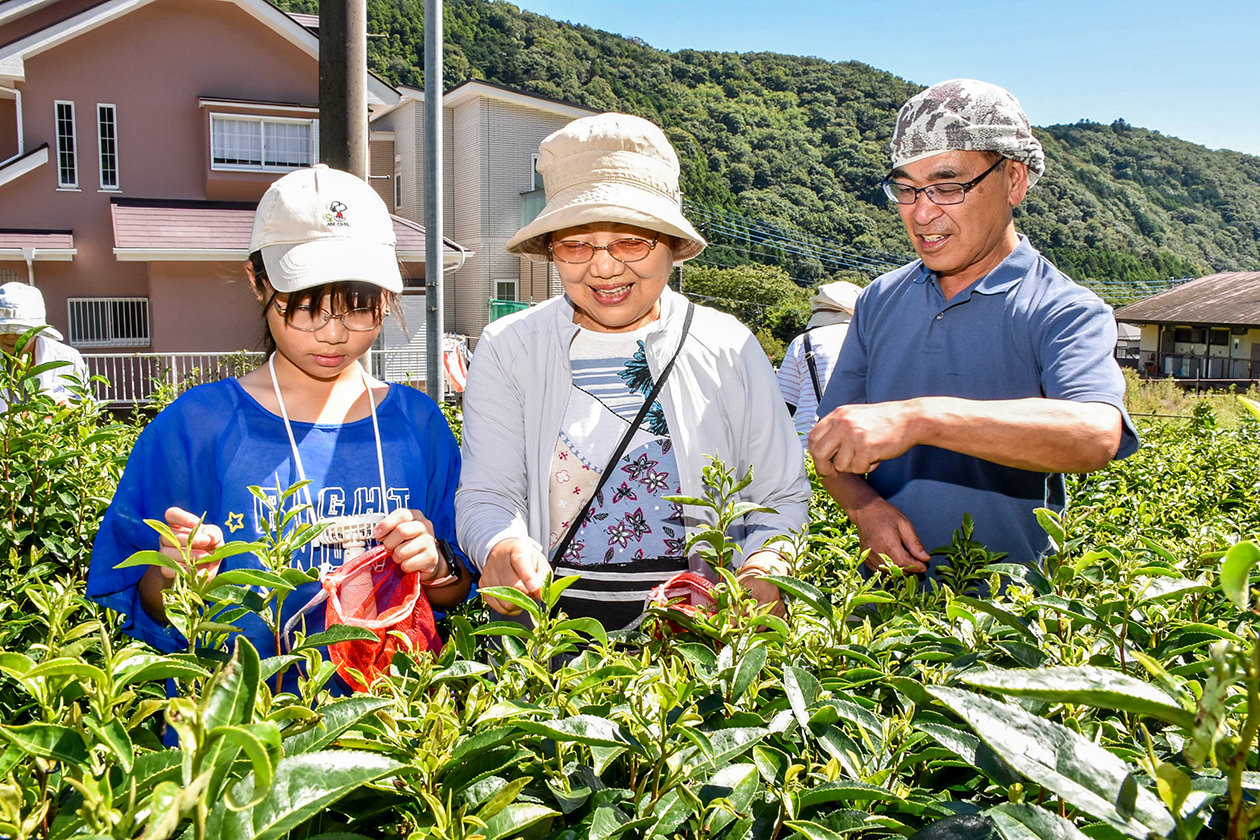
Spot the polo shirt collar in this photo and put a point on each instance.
(1009, 272)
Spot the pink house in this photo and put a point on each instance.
(135, 138)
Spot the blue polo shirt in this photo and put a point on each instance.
(1024, 330)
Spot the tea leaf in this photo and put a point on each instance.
(261, 743)
(808, 593)
(333, 635)
(749, 666)
(229, 699)
(581, 729)
(1028, 822)
(1084, 774)
(48, 741)
(1087, 685)
(514, 818)
(303, 786)
(334, 719)
(1236, 573)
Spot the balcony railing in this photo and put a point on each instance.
(137, 378)
(499, 308)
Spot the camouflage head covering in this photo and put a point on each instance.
(966, 115)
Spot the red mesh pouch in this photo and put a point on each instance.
(685, 592)
(372, 592)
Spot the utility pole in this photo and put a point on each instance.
(343, 112)
(433, 303)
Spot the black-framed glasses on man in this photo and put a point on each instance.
(949, 192)
(628, 250)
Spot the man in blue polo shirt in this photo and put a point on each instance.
(974, 377)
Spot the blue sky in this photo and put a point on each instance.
(1186, 68)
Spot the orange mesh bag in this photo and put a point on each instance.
(372, 592)
(685, 592)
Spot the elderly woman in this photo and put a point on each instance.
(582, 413)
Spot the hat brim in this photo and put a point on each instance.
(17, 327)
(827, 317)
(607, 202)
(292, 268)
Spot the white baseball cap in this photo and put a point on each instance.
(318, 225)
(22, 309)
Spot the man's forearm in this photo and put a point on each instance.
(1039, 434)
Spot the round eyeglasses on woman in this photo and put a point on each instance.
(628, 250)
(949, 192)
(312, 318)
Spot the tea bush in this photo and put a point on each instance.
(1113, 693)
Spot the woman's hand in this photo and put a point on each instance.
(196, 540)
(751, 574)
(518, 564)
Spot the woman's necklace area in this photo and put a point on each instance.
(347, 531)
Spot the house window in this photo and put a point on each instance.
(67, 159)
(536, 180)
(1218, 338)
(397, 191)
(254, 143)
(109, 322)
(107, 137)
(505, 289)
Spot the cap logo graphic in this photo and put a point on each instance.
(336, 215)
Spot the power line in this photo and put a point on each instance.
(733, 228)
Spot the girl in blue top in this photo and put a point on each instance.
(323, 268)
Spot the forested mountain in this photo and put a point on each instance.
(801, 144)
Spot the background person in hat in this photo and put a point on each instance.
(22, 310)
(811, 356)
(323, 268)
(554, 389)
(976, 375)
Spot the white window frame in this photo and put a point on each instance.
(516, 289)
(535, 179)
(67, 146)
(262, 122)
(102, 139)
(94, 322)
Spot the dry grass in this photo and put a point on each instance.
(1164, 399)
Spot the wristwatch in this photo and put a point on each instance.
(454, 568)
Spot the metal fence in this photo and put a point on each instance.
(137, 378)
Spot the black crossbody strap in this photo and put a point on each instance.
(813, 369)
(563, 546)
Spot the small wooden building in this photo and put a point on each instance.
(1206, 330)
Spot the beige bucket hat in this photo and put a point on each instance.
(834, 303)
(608, 168)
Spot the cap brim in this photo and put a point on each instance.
(607, 202)
(291, 268)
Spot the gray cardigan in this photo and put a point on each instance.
(721, 399)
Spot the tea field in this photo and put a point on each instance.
(1114, 693)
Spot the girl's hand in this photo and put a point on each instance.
(201, 540)
(408, 535)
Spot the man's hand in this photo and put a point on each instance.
(856, 438)
(890, 537)
(518, 564)
(882, 528)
